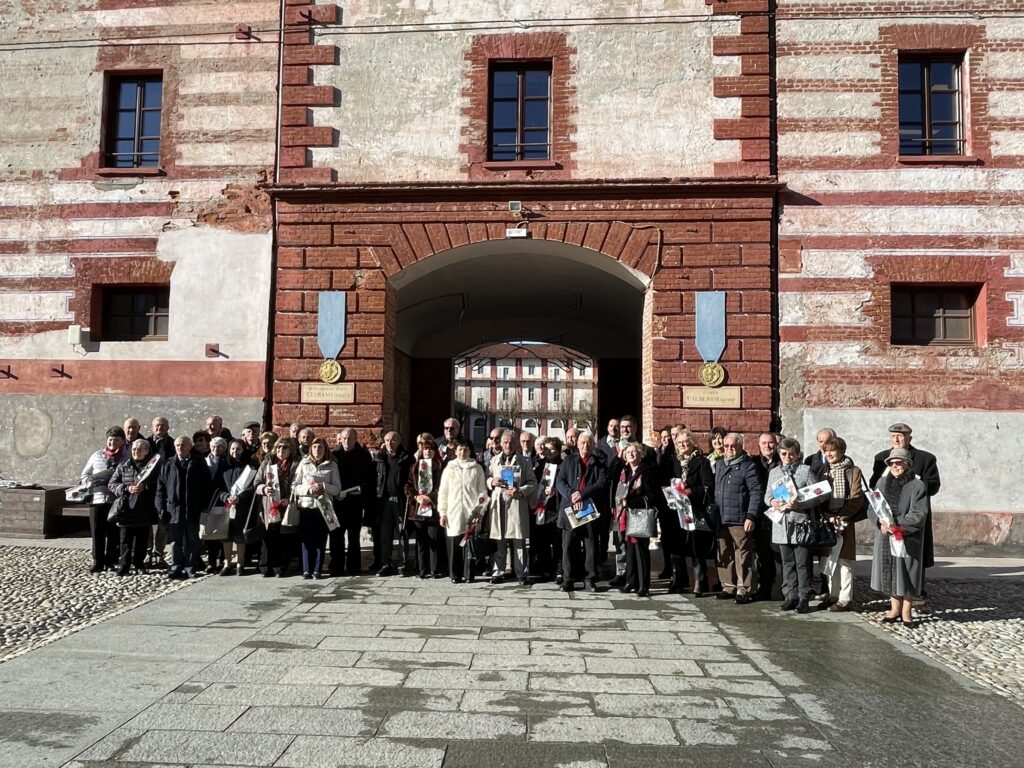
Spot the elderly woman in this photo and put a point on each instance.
(687, 463)
(217, 461)
(513, 487)
(844, 509)
(421, 507)
(797, 561)
(98, 471)
(276, 544)
(902, 578)
(267, 441)
(138, 506)
(463, 485)
(642, 491)
(316, 480)
(241, 504)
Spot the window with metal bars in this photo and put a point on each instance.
(931, 105)
(933, 315)
(133, 121)
(135, 313)
(520, 112)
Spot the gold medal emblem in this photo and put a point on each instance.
(711, 374)
(330, 371)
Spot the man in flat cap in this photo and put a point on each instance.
(924, 467)
(251, 438)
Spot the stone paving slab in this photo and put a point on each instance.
(340, 673)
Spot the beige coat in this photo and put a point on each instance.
(462, 484)
(326, 474)
(510, 518)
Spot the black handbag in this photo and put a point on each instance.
(814, 534)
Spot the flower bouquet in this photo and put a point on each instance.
(475, 518)
(424, 486)
(273, 490)
(678, 497)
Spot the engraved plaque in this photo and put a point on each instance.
(703, 397)
(316, 392)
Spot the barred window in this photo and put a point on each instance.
(133, 122)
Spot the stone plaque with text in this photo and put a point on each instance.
(705, 397)
(317, 392)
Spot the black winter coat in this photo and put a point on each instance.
(595, 484)
(143, 512)
(356, 467)
(184, 494)
(699, 479)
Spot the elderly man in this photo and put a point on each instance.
(251, 438)
(215, 428)
(294, 429)
(526, 447)
(306, 437)
(571, 437)
(510, 506)
(581, 478)
(183, 493)
(924, 466)
(451, 431)
(132, 430)
(358, 478)
(492, 449)
(160, 440)
(817, 461)
(393, 463)
(738, 494)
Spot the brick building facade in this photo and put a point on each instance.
(693, 146)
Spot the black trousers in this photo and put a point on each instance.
(545, 549)
(638, 565)
(270, 556)
(133, 545)
(460, 564)
(766, 555)
(392, 522)
(573, 539)
(346, 557)
(105, 537)
(428, 546)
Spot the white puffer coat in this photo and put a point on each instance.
(462, 485)
(325, 473)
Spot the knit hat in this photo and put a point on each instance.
(900, 454)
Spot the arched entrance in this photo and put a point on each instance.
(514, 289)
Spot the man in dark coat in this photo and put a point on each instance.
(358, 483)
(581, 477)
(924, 467)
(160, 442)
(183, 493)
(451, 433)
(215, 428)
(738, 494)
(769, 557)
(817, 461)
(608, 446)
(393, 463)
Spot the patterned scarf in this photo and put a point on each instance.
(837, 472)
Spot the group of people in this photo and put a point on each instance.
(521, 507)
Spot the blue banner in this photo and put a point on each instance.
(710, 325)
(330, 329)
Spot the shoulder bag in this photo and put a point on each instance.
(641, 523)
(814, 534)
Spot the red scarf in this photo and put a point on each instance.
(585, 461)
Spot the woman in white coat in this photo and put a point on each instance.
(463, 488)
(316, 479)
(511, 501)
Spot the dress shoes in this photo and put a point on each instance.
(589, 585)
(839, 608)
(803, 607)
(790, 604)
(743, 599)
(568, 586)
(386, 570)
(618, 581)
(723, 595)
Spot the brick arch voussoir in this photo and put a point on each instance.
(632, 245)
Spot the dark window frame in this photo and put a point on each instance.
(912, 294)
(157, 299)
(519, 147)
(137, 158)
(923, 140)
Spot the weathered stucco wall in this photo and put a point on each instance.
(856, 219)
(644, 103)
(68, 228)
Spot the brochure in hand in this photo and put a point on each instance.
(784, 490)
(587, 514)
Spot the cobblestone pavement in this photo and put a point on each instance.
(975, 627)
(47, 593)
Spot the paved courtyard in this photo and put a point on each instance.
(402, 672)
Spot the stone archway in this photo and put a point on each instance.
(675, 237)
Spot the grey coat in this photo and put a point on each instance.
(902, 576)
(802, 477)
